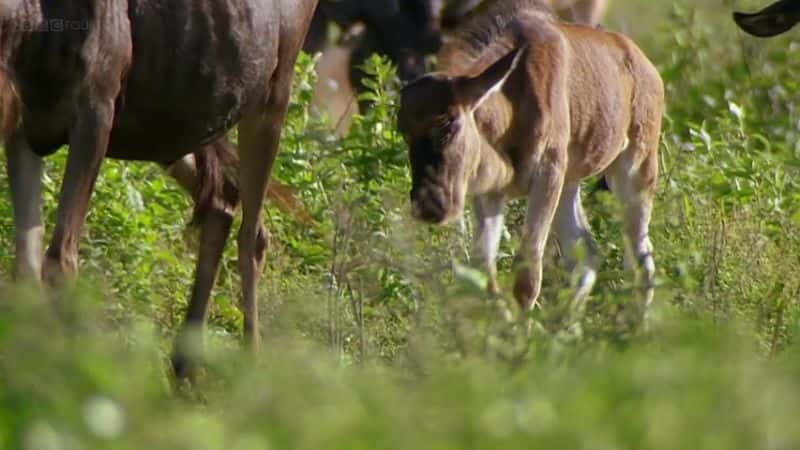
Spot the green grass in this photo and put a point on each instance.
(372, 340)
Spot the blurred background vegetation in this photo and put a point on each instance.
(373, 340)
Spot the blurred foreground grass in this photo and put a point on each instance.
(689, 384)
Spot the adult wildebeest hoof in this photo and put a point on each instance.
(184, 368)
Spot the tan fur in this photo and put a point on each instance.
(580, 102)
(589, 12)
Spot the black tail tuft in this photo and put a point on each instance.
(217, 187)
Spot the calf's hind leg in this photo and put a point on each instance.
(634, 185)
(572, 231)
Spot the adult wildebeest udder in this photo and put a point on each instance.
(526, 105)
(146, 80)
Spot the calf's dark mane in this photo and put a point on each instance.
(486, 36)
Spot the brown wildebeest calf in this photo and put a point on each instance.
(146, 80)
(527, 106)
(770, 21)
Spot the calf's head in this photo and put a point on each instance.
(437, 120)
(770, 21)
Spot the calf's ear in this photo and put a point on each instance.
(770, 21)
(473, 91)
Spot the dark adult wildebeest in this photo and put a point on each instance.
(403, 30)
(154, 81)
(770, 21)
(528, 106)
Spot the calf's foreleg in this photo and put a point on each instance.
(544, 190)
(488, 209)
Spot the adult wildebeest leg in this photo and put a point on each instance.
(109, 49)
(215, 225)
(572, 231)
(25, 180)
(259, 137)
(258, 146)
(488, 210)
(544, 191)
(88, 145)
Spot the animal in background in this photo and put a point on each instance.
(404, 31)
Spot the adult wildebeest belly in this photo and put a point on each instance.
(187, 83)
(190, 83)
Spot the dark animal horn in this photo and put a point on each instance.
(770, 21)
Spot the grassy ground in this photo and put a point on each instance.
(372, 340)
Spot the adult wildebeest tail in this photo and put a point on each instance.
(770, 21)
(10, 106)
(217, 187)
